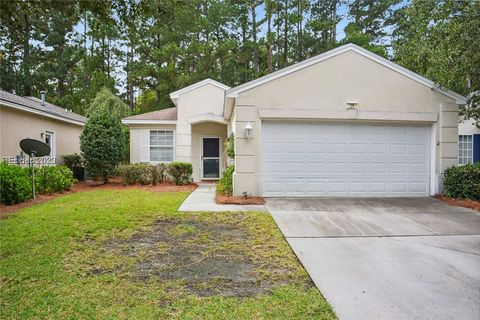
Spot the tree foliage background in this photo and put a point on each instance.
(144, 49)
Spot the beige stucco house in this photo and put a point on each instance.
(194, 131)
(29, 117)
(344, 123)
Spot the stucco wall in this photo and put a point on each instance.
(197, 112)
(321, 91)
(16, 125)
(204, 101)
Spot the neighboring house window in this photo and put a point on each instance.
(465, 149)
(161, 145)
(50, 141)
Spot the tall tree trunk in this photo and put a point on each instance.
(85, 77)
(129, 81)
(278, 49)
(62, 76)
(334, 18)
(27, 88)
(300, 32)
(285, 33)
(103, 54)
(108, 57)
(269, 39)
(244, 48)
(254, 36)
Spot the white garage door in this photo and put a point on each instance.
(301, 159)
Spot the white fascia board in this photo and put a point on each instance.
(176, 94)
(42, 113)
(127, 122)
(233, 93)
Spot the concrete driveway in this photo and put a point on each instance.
(402, 258)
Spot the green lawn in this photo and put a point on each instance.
(128, 254)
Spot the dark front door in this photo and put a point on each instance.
(211, 158)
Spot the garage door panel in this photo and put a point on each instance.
(346, 160)
(398, 187)
(319, 167)
(337, 148)
(358, 167)
(398, 148)
(358, 187)
(359, 148)
(420, 149)
(398, 167)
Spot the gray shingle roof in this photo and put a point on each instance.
(35, 105)
(164, 114)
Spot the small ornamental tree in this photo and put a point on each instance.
(102, 144)
(106, 101)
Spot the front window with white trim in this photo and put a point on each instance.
(161, 145)
(465, 149)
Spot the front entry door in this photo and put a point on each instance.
(210, 158)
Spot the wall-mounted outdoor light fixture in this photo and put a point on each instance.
(352, 105)
(352, 110)
(248, 130)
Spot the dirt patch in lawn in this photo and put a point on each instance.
(222, 199)
(89, 185)
(466, 203)
(207, 256)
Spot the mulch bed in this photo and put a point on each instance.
(222, 199)
(466, 203)
(82, 186)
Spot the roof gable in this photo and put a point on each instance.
(233, 93)
(176, 94)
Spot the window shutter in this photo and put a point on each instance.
(145, 145)
(476, 148)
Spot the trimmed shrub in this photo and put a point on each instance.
(75, 163)
(102, 144)
(230, 146)
(130, 173)
(463, 181)
(51, 179)
(159, 173)
(181, 172)
(143, 173)
(15, 184)
(225, 185)
(162, 173)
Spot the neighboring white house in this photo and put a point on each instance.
(343, 123)
(468, 141)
